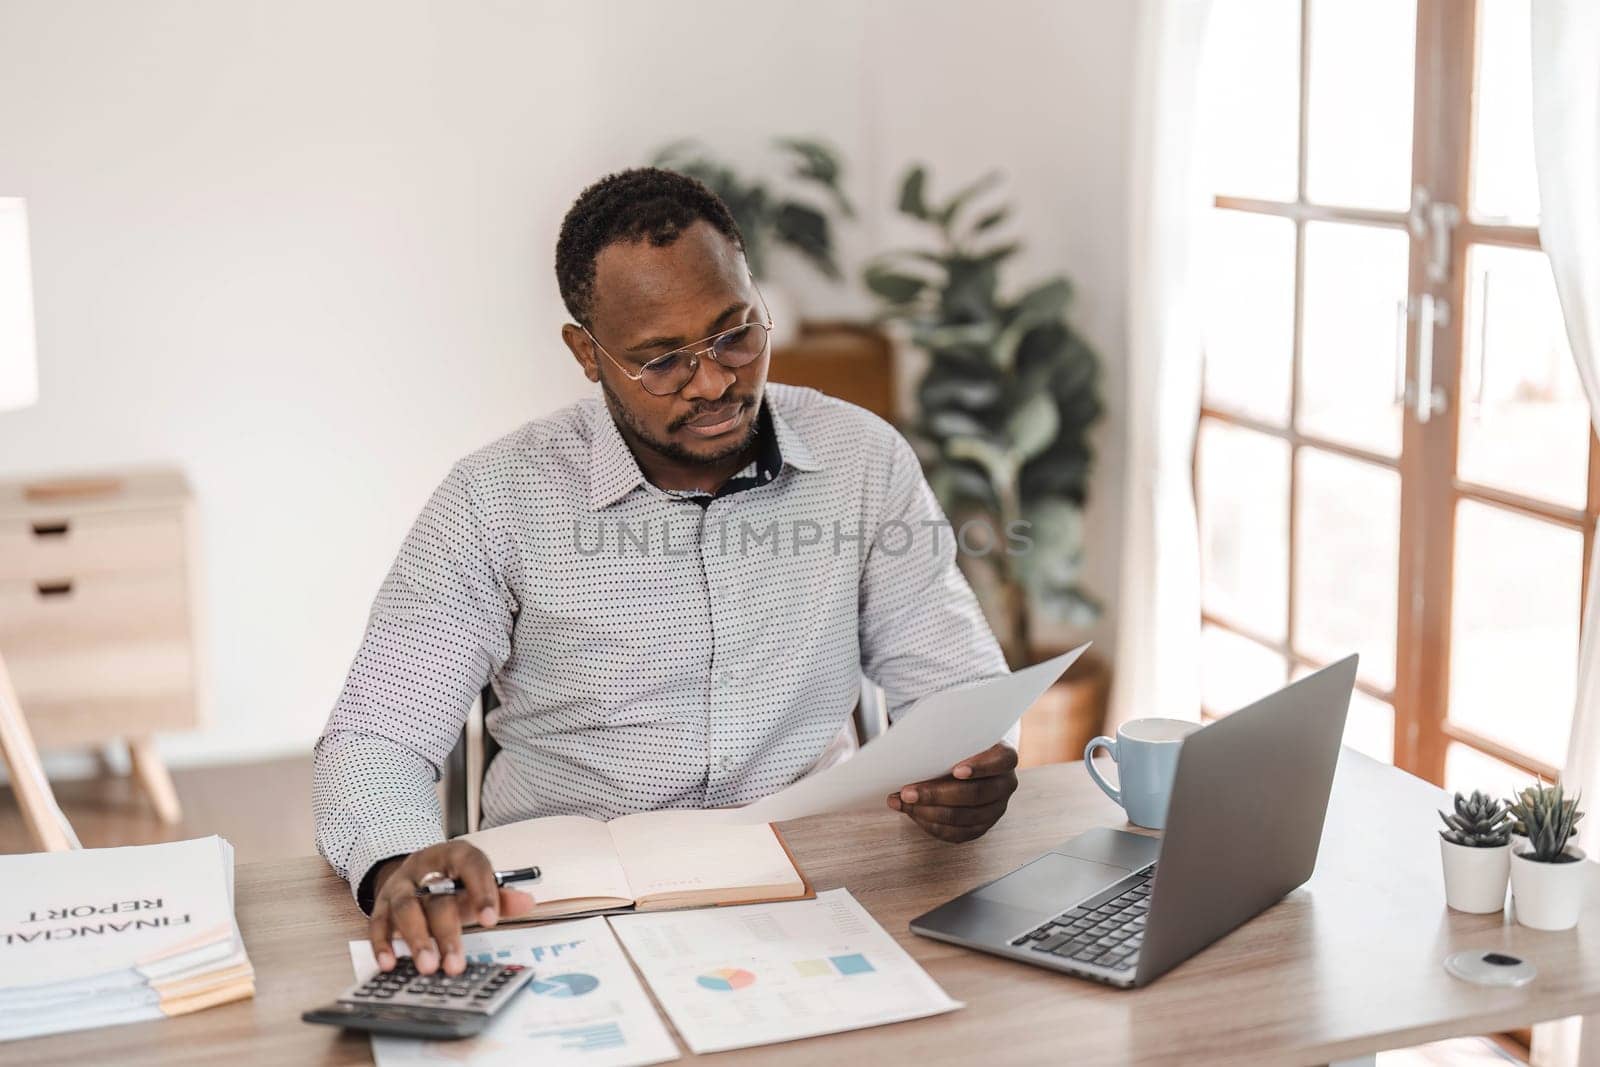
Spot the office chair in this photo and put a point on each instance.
(461, 777)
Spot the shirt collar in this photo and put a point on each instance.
(792, 449)
(614, 473)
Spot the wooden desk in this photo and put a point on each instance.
(1347, 965)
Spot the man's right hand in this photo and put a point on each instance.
(431, 926)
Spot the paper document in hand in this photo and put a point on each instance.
(926, 741)
(761, 973)
(584, 1005)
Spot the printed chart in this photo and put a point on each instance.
(583, 1006)
(734, 977)
(565, 985)
(726, 979)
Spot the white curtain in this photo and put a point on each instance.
(1566, 139)
(1158, 603)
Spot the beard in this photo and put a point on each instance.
(675, 450)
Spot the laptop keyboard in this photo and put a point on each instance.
(1106, 935)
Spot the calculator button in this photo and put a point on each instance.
(384, 993)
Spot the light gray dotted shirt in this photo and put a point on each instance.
(650, 650)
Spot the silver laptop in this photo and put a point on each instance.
(1248, 803)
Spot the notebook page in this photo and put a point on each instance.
(694, 851)
(574, 855)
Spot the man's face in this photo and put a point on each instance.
(650, 300)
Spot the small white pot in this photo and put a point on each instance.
(1548, 896)
(1475, 878)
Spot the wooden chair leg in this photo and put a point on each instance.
(40, 813)
(154, 779)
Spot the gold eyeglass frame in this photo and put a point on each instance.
(694, 350)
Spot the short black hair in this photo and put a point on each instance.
(644, 203)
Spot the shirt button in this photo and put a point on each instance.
(724, 762)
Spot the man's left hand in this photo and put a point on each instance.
(966, 802)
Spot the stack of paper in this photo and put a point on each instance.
(115, 935)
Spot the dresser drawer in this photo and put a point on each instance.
(69, 546)
(46, 616)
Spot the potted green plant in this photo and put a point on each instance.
(1476, 848)
(1006, 404)
(1547, 875)
(768, 216)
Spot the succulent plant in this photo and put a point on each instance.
(1547, 820)
(1480, 821)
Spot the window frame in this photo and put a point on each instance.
(1442, 140)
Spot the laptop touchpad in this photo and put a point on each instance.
(1051, 883)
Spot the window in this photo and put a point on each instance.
(1394, 453)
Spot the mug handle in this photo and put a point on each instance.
(1110, 745)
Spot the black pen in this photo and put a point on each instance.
(443, 887)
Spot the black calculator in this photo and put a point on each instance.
(438, 1005)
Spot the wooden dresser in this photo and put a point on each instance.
(845, 360)
(99, 598)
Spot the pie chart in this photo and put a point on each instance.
(565, 985)
(726, 979)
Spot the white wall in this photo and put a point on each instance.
(305, 249)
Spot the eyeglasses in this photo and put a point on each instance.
(733, 348)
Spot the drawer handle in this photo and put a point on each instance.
(51, 529)
(49, 589)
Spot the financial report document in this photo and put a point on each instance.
(762, 973)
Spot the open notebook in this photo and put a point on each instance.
(650, 861)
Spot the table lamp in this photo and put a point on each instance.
(19, 372)
(19, 387)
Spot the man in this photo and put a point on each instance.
(675, 587)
